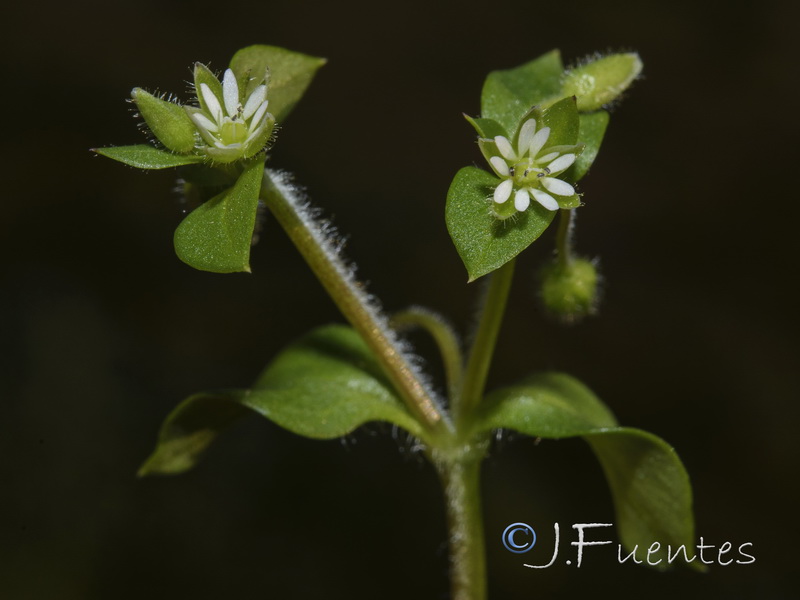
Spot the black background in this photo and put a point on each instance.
(691, 209)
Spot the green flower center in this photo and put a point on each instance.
(232, 131)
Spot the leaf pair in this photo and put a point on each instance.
(328, 383)
(217, 235)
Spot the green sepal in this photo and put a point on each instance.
(649, 485)
(601, 81)
(144, 156)
(168, 121)
(486, 128)
(202, 74)
(567, 202)
(323, 386)
(290, 74)
(217, 235)
(563, 121)
(484, 242)
(592, 129)
(509, 94)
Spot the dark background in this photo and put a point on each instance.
(690, 208)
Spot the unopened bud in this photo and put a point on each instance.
(569, 290)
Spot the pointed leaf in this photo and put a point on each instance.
(323, 386)
(484, 242)
(216, 236)
(168, 121)
(290, 74)
(143, 156)
(507, 95)
(650, 487)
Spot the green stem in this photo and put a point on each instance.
(445, 338)
(564, 237)
(313, 244)
(461, 484)
(480, 356)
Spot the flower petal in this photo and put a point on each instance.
(500, 166)
(503, 191)
(230, 93)
(504, 146)
(526, 135)
(214, 107)
(258, 118)
(545, 199)
(558, 187)
(539, 140)
(255, 100)
(562, 163)
(522, 200)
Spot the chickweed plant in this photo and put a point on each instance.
(540, 129)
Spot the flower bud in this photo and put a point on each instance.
(600, 81)
(569, 290)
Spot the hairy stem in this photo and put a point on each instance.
(309, 238)
(564, 236)
(461, 484)
(480, 356)
(445, 338)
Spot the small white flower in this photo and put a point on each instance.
(232, 129)
(530, 170)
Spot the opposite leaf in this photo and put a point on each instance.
(290, 74)
(323, 386)
(650, 487)
(484, 242)
(217, 235)
(593, 128)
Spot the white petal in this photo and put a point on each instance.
(208, 137)
(503, 191)
(545, 200)
(254, 101)
(504, 146)
(259, 116)
(214, 107)
(526, 135)
(539, 140)
(204, 122)
(558, 187)
(230, 93)
(500, 166)
(562, 162)
(547, 157)
(522, 200)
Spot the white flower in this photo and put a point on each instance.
(530, 169)
(231, 128)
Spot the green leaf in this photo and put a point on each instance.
(191, 428)
(592, 129)
(484, 242)
(326, 385)
(168, 121)
(507, 95)
(323, 386)
(216, 236)
(650, 487)
(290, 74)
(143, 156)
(601, 81)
